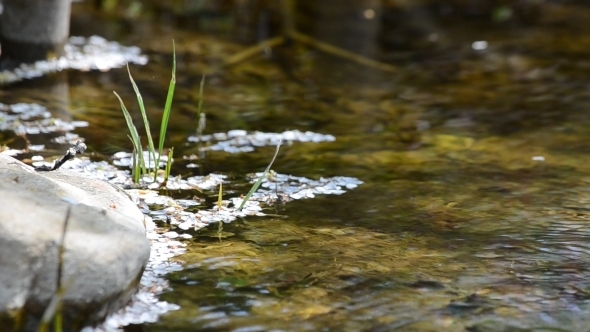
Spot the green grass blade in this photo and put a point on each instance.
(200, 126)
(135, 167)
(51, 310)
(168, 164)
(201, 92)
(257, 184)
(220, 197)
(54, 308)
(58, 321)
(146, 123)
(219, 230)
(134, 135)
(167, 108)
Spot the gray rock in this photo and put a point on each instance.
(31, 30)
(106, 249)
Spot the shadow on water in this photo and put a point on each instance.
(474, 212)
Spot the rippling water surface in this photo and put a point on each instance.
(474, 211)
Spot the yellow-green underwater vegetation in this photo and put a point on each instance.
(474, 214)
(455, 235)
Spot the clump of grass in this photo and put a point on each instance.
(139, 168)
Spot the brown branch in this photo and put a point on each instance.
(253, 50)
(341, 53)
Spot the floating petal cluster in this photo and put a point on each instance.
(81, 53)
(296, 187)
(32, 119)
(181, 214)
(276, 188)
(175, 214)
(237, 141)
(170, 221)
(125, 159)
(145, 307)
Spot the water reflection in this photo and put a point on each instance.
(315, 273)
(459, 233)
(474, 211)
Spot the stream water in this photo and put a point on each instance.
(473, 149)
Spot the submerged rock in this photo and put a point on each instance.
(106, 249)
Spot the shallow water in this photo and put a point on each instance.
(473, 215)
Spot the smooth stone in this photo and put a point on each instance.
(106, 249)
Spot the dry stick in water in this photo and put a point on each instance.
(342, 53)
(78, 148)
(289, 32)
(253, 50)
(75, 149)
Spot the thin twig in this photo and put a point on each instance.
(342, 53)
(310, 41)
(253, 50)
